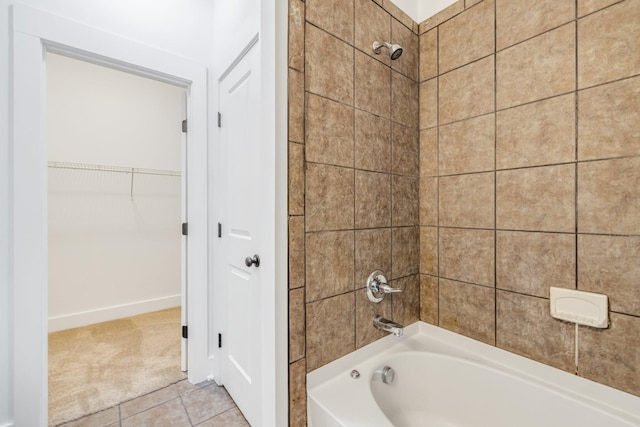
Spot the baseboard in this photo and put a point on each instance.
(76, 320)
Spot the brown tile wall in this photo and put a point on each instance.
(354, 182)
(530, 176)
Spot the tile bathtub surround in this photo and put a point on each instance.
(530, 176)
(498, 159)
(354, 166)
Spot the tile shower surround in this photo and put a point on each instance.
(498, 156)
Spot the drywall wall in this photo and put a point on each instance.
(177, 26)
(114, 242)
(419, 10)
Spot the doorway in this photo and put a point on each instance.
(34, 33)
(116, 199)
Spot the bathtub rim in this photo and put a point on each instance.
(421, 336)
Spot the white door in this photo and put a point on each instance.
(244, 193)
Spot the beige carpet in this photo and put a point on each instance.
(98, 366)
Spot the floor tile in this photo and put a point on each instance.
(104, 418)
(168, 414)
(231, 418)
(147, 401)
(206, 403)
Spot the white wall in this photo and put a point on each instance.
(182, 27)
(111, 255)
(419, 10)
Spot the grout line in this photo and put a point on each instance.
(576, 173)
(437, 29)
(495, 174)
(353, 165)
(577, 346)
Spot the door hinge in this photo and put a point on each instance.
(219, 340)
(184, 125)
(219, 119)
(185, 229)
(219, 230)
(185, 332)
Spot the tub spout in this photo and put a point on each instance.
(388, 325)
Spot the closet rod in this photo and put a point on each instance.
(105, 168)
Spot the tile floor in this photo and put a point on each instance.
(179, 405)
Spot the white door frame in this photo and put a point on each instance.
(33, 33)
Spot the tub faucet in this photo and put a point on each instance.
(388, 325)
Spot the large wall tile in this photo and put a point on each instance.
(373, 200)
(405, 255)
(529, 263)
(467, 200)
(589, 6)
(408, 62)
(467, 146)
(525, 327)
(429, 103)
(610, 356)
(329, 197)
(296, 252)
(428, 153)
(366, 311)
(467, 37)
(329, 264)
(296, 179)
(609, 120)
(371, 79)
(405, 150)
(429, 55)
(538, 68)
(404, 194)
(467, 255)
(373, 252)
(373, 23)
(296, 34)
(327, 57)
(609, 265)
(609, 196)
(536, 199)
(406, 304)
(520, 20)
(404, 100)
(429, 250)
(296, 106)
(609, 44)
(324, 318)
(466, 92)
(373, 142)
(329, 129)
(429, 201)
(398, 14)
(429, 299)
(298, 394)
(296, 324)
(541, 133)
(334, 16)
(442, 16)
(468, 310)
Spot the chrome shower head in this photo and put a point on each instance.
(395, 50)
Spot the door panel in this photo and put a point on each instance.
(241, 178)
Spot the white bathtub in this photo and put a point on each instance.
(443, 379)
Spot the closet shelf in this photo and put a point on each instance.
(117, 169)
(105, 168)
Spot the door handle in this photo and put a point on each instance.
(249, 261)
